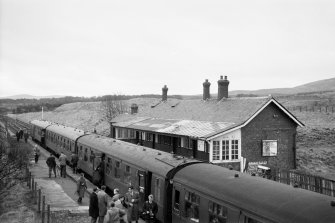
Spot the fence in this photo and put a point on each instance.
(38, 199)
(321, 109)
(305, 181)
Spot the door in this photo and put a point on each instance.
(174, 144)
(141, 187)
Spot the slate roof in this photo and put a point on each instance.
(190, 128)
(196, 118)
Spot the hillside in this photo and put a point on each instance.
(315, 141)
(317, 86)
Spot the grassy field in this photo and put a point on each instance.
(315, 141)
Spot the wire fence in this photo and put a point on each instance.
(320, 109)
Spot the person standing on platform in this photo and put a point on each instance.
(116, 195)
(74, 162)
(36, 153)
(26, 135)
(93, 209)
(62, 163)
(51, 162)
(17, 134)
(103, 201)
(114, 213)
(120, 203)
(132, 198)
(81, 187)
(150, 209)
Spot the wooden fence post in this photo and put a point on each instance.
(35, 192)
(39, 200)
(43, 209)
(48, 213)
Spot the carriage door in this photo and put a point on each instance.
(43, 137)
(141, 187)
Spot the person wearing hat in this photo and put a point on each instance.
(132, 198)
(94, 206)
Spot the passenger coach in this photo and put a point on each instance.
(62, 139)
(148, 170)
(209, 193)
(38, 128)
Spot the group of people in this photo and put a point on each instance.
(122, 208)
(51, 162)
(22, 134)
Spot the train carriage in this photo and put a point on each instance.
(38, 129)
(60, 138)
(209, 193)
(128, 164)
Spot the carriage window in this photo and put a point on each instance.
(92, 156)
(117, 169)
(127, 175)
(251, 220)
(157, 193)
(85, 155)
(192, 202)
(217, 213)
(176, 200)
(109, 166)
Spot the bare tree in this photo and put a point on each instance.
(14, 159)
(113, 105)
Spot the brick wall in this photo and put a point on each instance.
(270, 124)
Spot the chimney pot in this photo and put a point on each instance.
(206, 93)
(133, 109)
(222, 88)
(164, 93)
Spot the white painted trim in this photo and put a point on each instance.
(254, 115)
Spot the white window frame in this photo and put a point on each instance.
(269, 147)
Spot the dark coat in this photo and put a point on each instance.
(133, 211)
(81, 187)
(51, 162)
(94, 206)
(150, 209)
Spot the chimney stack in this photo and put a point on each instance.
(164, 93)
(223, 88)
(206, 93)
(133, 109)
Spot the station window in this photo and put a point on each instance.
(148, 136)
(216, 150)
(127, 175)
(132, 134)
(192, 202)
(234, 149)
(225, 149)
(117, 169)
(217, 213)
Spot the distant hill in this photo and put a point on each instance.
(27, 96)
(317, 86)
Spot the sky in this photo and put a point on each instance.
(93, 48)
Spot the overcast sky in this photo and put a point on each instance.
(92, 48)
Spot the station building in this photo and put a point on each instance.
(240, 133)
